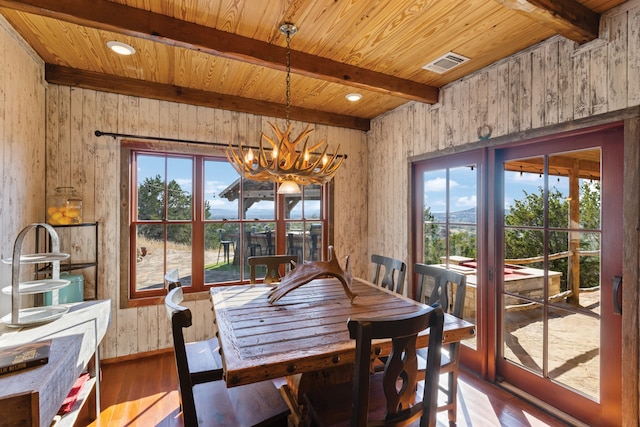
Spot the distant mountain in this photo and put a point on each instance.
(262, 214)
(466, 216)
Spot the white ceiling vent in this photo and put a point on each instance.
(445, 62)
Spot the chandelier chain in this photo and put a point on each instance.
(288, 92)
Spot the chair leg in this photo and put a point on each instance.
(452, 396)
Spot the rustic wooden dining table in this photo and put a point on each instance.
(303, 337)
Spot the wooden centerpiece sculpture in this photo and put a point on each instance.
(313, 270)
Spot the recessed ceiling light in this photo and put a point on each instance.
(121, 48)
(353, 97)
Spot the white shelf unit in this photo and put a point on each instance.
(72, 234)
(20, 317)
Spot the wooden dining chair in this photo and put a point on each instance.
(446, 288)
(273, 263)
(389, 273)
(172, 279)
(200, 372)
(391, 397)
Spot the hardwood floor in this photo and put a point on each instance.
(144, 392)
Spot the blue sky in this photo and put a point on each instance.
(463, 188)
(220, 174)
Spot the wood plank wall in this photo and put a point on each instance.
(22, 162)
(550, 84)
(76, 157)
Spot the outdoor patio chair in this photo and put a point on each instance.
(225, 245)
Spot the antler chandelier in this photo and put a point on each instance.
(283, 161)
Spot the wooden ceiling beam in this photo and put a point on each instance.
(127, 86)
(115, 17)
(566, 17)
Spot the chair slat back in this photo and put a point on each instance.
(273, 264)
(439, 285)
(401, 367)
(389, 266)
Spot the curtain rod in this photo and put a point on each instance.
(184, 141)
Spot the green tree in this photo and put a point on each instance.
(524, 242)
(528, 243)
(151, 205)
(462, 242)
(433, 243)
(590, 220)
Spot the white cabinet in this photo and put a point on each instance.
(33, 396)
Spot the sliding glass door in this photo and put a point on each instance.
(448, 217)
(559, 253)
(537, 229)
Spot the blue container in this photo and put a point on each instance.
(73, 292)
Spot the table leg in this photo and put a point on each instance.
(297, 385)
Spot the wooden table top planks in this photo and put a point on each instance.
(306, 330)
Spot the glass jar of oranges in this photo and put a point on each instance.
(64, 207)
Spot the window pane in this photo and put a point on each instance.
(222, 190)
(463, 190)
(590, 208)
(292, 206)
(264, 238)
(312, 198)
(313, 247)
(574, 358)
(221, 256)
(558, 274)
(258, 200)
(435, 244)
(435, 194)
(179, 251)
(150, 186)
(295, 239)
(179, 189)
(150, 257)
(462, 241)
(523, 192)
(523, 332)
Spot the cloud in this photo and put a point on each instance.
(185, 184)
(466, 202)
(438, 184)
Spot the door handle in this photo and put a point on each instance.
(617, 295)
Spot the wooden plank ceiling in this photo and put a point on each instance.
(230, 54)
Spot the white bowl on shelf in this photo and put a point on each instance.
(37, 286)
(39, 258)
(35, 316)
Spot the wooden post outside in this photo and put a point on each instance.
(574, 236)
